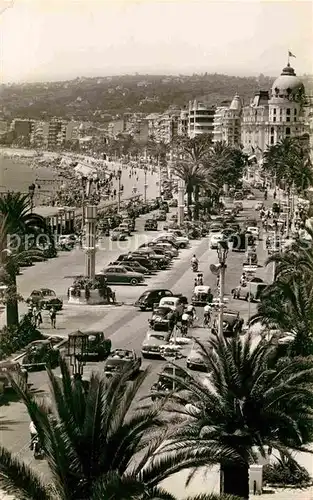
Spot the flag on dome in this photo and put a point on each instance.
(290, 54)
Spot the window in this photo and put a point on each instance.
(288, 131)
(272, 139)
(272, 130)
(288, 118)
(295, 111)
(280, 111)
(274, 111)
(288, 111)
(274, 118)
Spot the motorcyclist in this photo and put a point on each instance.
(194, 263)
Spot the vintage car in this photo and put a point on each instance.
(97, 347)
(201, 296)
(119, 275)
(152, 344)
(163, 319)
(196, 359)
(151, 225)
(161, 215)
(175, 303)
(8, 369)
(232, 324)
(45, 299)
(118, 359)
(39, 355)
(165, 382)
(117, 235)
(252, 290)
(151, 297)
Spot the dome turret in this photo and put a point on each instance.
(288, 84)
(236, 103)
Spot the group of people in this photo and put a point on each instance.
(35, 315)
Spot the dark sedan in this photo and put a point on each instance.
(163, 319)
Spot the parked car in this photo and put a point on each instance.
(175, 303)
(238, 204)
(97, 347)
(178, 241)
(117, 235)
(120, 275)
(251, 289)
(151, 225)
(167, 247)
(45, 298)
(124, 228)
(143, 260)
(165, 383)
(160, 260)
(163, 319)
(151, 297)
(251, 196)
(8, 368)
(131, 222)
(39, 355)
(152, 343)
(259, 205)
(254, 231)
(132, 265)
(161, 216)
(232, 324)
(118, 359)
(196, 359)
(215, 239)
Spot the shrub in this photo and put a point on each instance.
(286, 472)
(12, 339)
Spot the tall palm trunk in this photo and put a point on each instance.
(189, 198)
(12, 302)
(196, 196)
(235, 480)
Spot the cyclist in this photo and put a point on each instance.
(206, 315)
(185, 323)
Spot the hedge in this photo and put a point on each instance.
(13, 339)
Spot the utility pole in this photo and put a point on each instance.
(181, 202)
(222, 251)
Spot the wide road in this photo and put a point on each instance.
(125, 325)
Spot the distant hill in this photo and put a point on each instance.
(99, 99)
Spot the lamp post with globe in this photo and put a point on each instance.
(222, 252)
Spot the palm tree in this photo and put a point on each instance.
(19, 228)
(288, 161)
(250, 403)
(193, 176)
(95, 441)
(193, 149)
(225, 164)
(287, 306)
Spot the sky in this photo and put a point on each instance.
(43, 40)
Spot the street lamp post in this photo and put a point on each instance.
(84, 185)
(76, 348)
(90, 241)
(222, 251)
(119, 175)
(31, 191)
(146, 185)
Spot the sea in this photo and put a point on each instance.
(16, 174)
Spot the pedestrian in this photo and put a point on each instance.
(53, 315)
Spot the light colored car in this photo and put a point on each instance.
(180, 241)
(154, 343)
(196, 358)
(173, 303)
(215, 239)
(250, 197)
(123, 228)
(254, 231)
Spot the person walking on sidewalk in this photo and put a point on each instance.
(53, 315)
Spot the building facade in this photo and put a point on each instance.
(275, 115)
(227, 123)
(200, 119)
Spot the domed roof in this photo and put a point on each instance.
(236, 104)
(288, 83)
